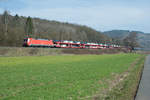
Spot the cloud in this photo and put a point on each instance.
(99, 14)
(1, 10)
(99, 17)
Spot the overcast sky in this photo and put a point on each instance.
(101, 15)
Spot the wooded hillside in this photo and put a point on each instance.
(142, 38)
(13, 29)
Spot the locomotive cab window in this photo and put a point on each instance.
(25, 40)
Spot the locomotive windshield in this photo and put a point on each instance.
(25, 40)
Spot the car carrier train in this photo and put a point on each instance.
(31, 42)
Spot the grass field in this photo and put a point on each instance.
(65, 77)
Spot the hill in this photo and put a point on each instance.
(117, 33)
(142, 38)
(12, 31)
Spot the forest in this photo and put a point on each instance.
(15, 28)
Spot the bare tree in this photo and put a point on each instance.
(131, 41)
(5, 21)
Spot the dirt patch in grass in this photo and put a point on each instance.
(121, 86)
(126, 86)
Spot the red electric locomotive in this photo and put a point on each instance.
(31, 42)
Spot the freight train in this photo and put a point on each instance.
(31, 42)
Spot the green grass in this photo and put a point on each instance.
(58, 77)
(126, 90)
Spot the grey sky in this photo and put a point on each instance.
(99, 14)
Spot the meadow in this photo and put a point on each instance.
(60, 77)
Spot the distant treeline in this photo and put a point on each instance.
(13, 29)
(142, 38)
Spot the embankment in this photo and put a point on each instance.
(21, 51)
